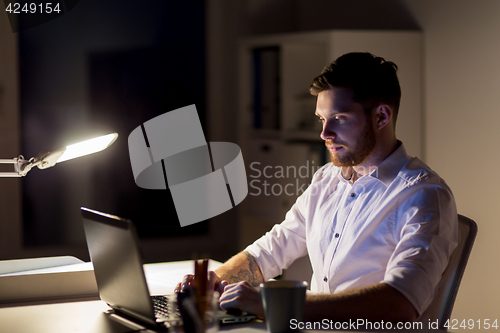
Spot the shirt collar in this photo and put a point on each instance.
(387, 171)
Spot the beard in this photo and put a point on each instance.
(359, 151)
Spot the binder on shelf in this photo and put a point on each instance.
(266, 88)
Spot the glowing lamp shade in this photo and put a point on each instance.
(48, 159)
(88, 147)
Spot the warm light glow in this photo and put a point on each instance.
(88, 147)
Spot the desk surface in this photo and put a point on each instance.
(89, 316)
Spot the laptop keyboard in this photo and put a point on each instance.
(165, 309)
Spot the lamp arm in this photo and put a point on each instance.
(48, 158)
(21, 166)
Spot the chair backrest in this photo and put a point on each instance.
(443, 302)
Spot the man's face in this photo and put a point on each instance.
(347, 131)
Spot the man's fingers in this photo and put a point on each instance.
(213, 281)
(236, 286)
(226, 303)
(241, 296)
(186, 282)
(187, 278)
(219, 287)
(231, 298)
(236, 295)
(223, 285)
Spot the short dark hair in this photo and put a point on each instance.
(372, 79)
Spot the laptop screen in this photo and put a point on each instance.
(113, 247)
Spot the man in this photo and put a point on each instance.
(378, 226)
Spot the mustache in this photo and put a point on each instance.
(329, 143)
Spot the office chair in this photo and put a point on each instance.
(443, 302)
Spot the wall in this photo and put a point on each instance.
(462, 79)
(10, 195)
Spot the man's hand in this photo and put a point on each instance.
(240, 267)
(242, 296)
(214, 283)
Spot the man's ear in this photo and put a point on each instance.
(382, 116)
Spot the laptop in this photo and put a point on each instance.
(118, 267)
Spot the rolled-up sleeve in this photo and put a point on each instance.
(427, 226)
(278, 248)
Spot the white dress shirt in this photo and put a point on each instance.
(397, 225)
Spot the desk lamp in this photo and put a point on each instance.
(47, 159)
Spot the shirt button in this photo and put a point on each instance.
(337, 235)
(353, 195)
(325, 279)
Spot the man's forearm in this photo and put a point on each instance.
(241, 267)
(377, 302)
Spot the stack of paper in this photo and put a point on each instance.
(43, 279)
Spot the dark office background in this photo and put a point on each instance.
(108, 66)
(102, 67)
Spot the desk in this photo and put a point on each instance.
(89, 317)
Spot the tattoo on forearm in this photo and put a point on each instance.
(252, 275)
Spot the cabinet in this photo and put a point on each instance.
(278, 129)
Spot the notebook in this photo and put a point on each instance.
(113, 246)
